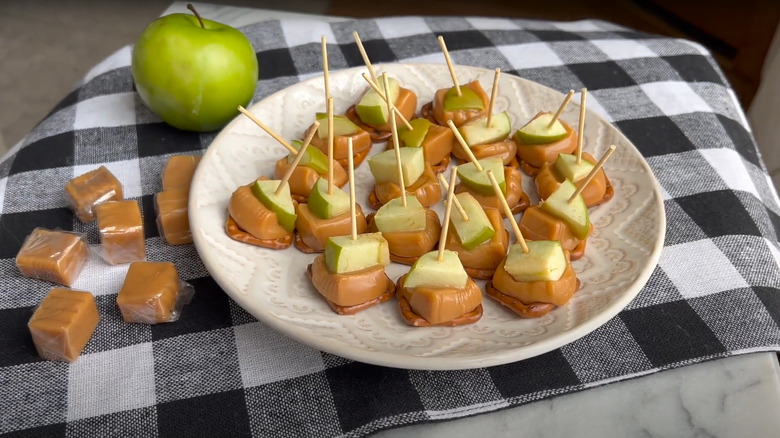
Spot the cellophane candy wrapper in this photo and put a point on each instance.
(172, 216)
(121, 231)
(153, 293)
(63, 323)
(86, 191)
(53, 255)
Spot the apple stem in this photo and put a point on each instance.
(447, 214)
(458, 205)
(197, 15)
(581, 132)
(592, 173)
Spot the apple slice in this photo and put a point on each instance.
(429, 271)
(478, 181)
(265, 192)
(343, 254)
(393, 217)
(372, 109)
(416, 136)
(384, 168)
(477, 132)
(326, 205)
(574, 213)
(467, 100)
(566, 165)
(478, 228)
(544, 261)
(341, 126)
(537, 132)
(312, 157)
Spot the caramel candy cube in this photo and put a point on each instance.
(149, 292)
(55, 256)
(84, 192)
(178, 172)
(63, 324)
(121, 232)
(172, 219)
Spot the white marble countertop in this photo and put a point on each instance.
(732, 397)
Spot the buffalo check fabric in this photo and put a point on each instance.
(219, 372)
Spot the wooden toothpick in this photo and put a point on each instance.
(330, 145)
(493, 95)
(270, 131)
(561, 108)
(297, 160)
(507, 211)
(352, 208)
(325, 74)
(581, 132)
(592, 173)
(396, 147)
(446, 186)
(382, 95)
(365, 57)
(466, 147)
(447, 213)
(449, 64)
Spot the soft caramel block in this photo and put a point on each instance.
(86, 191)
(172, 219)
(63, 323)
(149, 292)
(121, 232)
(50, 255)
(178, 172)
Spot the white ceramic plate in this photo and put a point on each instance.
(273, 286)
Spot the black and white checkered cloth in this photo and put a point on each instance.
(219, 372)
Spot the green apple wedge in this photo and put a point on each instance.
(344, 254)
(326, 205)
(281, 204)
(477, 229)
(429, 271)
(574, 213)
(479, 181)
(312, 157)
(544, 261)
(538, 131)
(372, 109)
(414, 138)
(467, 100)
(393, 217)
(341, 126)
(477, 132)
(384, 168)
(566, 165)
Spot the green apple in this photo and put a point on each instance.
(371, 108)
(477, 132)
(479, 181)
(341, 126)
(193, 75)
(567, 166)
(468, 99)
(544, 261)
(312, 157)
(414, 137)
(281, 204)
(574, 213)
(477, 229)
(538, 131)
(429, 271)
(326, 205)
(384, 168)
(344, 254)
(393, 217)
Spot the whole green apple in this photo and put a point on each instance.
(193, 72)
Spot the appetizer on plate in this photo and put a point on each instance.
(544, 137)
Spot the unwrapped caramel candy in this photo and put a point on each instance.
(149, 293)
(178, 172)
(62, 325)
(86, 191)
(50, 255)
(121, 232)
(172, 219)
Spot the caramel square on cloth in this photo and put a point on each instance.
(62, 325)
(121, 232)
(86, 191)
(172, 218)
(50, 255)
(149, 293)
(178, 172)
